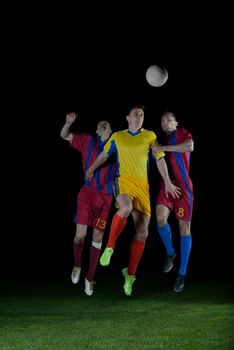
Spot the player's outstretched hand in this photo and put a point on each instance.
(173, 190)
(71, 117)
(89, 174)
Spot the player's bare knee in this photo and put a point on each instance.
(125, 211)
(78, 239)
(141, 235)
(97, 236)
(184, 228)
(161, 220)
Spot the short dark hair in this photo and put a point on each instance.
(136, 106)
(168, 112)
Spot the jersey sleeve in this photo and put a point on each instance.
(185, 135)
(154, 141)
(79, 140)
(110, 146)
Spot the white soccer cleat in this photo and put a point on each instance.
(75, 276)
(89, 287)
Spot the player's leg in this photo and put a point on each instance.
(82, 222)
(185, 249)
(141, 222)
(94, 254)
(78, 245)
(164, 230)
(183, 212)
(101, 209)
(117, 225)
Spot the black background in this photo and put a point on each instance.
(94, 63)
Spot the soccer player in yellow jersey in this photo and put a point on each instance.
(132, 147)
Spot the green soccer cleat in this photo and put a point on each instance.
(106, 256)
(129, 280)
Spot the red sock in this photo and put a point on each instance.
(117, 225)
(77, 249)
(94, 255)
(136, 251)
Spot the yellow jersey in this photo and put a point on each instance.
(132, 151)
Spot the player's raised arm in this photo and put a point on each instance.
(98, 162)
(65, 131)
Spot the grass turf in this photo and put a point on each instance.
(58, 315)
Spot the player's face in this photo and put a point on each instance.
(136, 118)
(168, 123)
(104, 129)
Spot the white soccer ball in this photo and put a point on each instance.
(156, 76)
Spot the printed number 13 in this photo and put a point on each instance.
(101, 223)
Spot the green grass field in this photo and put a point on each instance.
(57, 315)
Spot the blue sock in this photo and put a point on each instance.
(185, 248)
(166, 236)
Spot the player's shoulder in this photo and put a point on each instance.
(119, 133)
(82, 134)
(122, 131)
(183, 131)
(148, 132)
(81, 137)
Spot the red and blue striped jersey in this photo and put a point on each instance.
(90, 147)
(179, 163)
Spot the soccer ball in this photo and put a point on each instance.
(156, 76)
